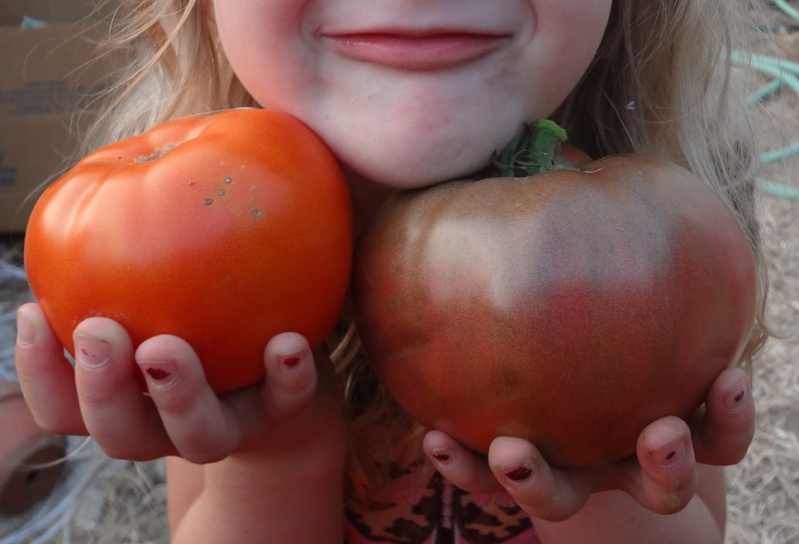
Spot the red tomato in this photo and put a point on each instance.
(223, 230)
(571, 308)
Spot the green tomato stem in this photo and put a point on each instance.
(532, 152)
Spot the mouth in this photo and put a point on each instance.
(427, 50)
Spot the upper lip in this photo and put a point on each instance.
(407, 48)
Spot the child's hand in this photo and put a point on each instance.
(103, 396)
(662, 479)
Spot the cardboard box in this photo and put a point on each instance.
(44, 82)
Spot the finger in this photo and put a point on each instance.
(668, 477)
(542, 491)
(46, 377)
(290, 400)
(291, 377)
(201, 427)
(110, 391)
(461, 466)
(727, 426)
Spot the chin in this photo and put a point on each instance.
(414, 174)
(423, 162)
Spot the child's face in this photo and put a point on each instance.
(411, 92)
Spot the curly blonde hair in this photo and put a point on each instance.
(662, 83)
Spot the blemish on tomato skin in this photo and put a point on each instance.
(221, 192)
(257, 214)
(158, 153)
(228, 179)
(209, 201)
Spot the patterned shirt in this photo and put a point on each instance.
(424, 508)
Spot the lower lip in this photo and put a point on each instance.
(420, 53)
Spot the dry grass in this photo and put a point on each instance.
(764, 487)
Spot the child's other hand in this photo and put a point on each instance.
(662, 477)
(182, 416)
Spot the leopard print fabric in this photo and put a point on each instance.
(410, 511)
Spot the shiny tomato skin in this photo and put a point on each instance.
(571, 308)
(223, 230)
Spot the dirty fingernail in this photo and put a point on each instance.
(90, 352)
(671, 454)
(160, 374)
(290, 361)
(735, 400)
(520, 473)
(441, 456)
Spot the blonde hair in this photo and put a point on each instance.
(661, 83)
(166, 63)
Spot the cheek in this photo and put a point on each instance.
(578, 18)
(262, 44)
(565, 39)
(567, 35)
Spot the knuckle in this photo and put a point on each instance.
(202, 448)
(120, 450)
(177, 402)
(130, 447)
(549, 508)
(51, 425)
(672, 497)
(202, 438)
(96, 397)
(671, 503)
(200, 457)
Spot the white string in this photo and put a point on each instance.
(62, 460)
(53, 519)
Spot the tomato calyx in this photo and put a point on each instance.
(532, 152)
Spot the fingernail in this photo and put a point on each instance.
(26, 331)
(440, 456)
(160, 374)
(735, 400)
(291, 360)
(671, 454)
(520, 473)
(91, 352)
